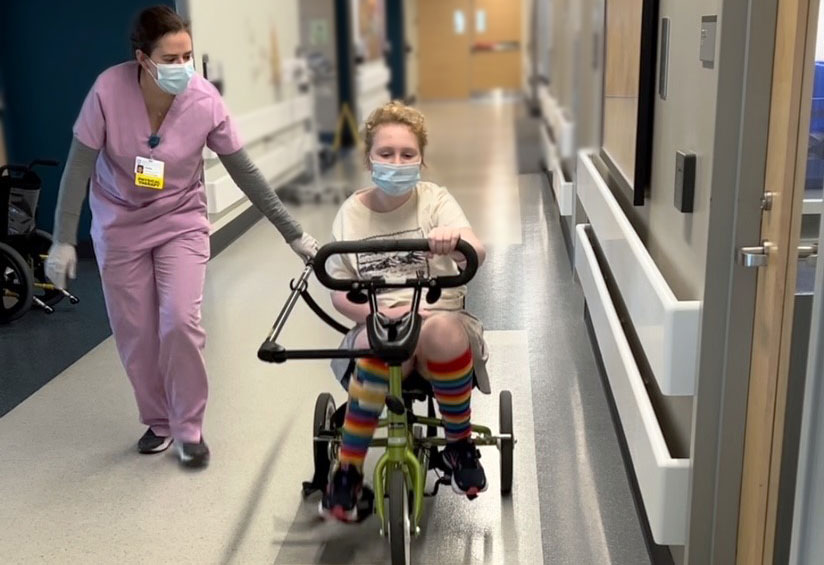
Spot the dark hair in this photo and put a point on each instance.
(152, 24)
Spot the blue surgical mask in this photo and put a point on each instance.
(396, 180)
(174, 77)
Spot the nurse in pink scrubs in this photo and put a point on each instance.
(139, 139)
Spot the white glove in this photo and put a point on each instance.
(305, 246)
(62, 262)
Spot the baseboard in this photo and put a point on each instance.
(225, 236)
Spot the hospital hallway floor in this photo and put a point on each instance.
(74, 490)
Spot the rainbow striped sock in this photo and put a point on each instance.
(367, 395)
(452, 383)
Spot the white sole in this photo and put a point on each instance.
(457, 490)
(159, 449)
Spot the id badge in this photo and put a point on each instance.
(148, 173)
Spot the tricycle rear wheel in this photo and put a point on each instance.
(507, 445)
(322, 426)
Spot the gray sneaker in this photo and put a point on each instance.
(152, 443)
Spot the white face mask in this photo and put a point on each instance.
(173, 77)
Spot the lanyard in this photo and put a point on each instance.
(154, 141)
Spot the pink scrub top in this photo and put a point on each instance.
(115, 121)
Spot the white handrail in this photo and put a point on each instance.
(667, 328)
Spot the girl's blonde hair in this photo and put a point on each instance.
(395, 112)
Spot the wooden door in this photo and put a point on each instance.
(780, 231)
(444, 32)
(497, 22)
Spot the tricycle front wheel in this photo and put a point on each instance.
(400, 533)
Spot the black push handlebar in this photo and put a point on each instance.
(272, 352)
(391, 246)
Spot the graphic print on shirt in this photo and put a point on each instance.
(405, 264)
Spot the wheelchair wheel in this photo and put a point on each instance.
(506, 445)
(322, 425)
(16, 284)
(400, 533)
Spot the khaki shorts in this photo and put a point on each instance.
(474, 331)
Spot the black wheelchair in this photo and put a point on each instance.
(23, 247)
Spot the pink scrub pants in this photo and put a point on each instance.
(153, 297)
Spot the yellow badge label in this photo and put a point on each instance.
(146, 181)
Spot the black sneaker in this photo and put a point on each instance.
(342, 494)
(153, 443)
(468, 477)
(193, 455)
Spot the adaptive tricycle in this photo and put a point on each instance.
(411, 443)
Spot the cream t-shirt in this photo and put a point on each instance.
(429, 206)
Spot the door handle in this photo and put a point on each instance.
(759, 256)
(808, 253)
(753, 257)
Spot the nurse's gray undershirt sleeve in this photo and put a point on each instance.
(79, 168)
(250, 180)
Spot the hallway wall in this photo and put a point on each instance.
(589, 76)
(575, 62)
(411, 22)
(685, 121)
(566, 26)
(251, 45)
(45, 81)
(677, 242)
(261, 34)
